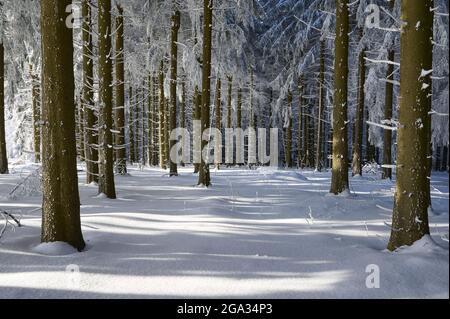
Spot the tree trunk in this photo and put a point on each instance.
(389, 97)
(358, 128)
(204, 175)
(197, 116)
(91, 151)
(288, 148)
(3, 151)
(300, 133)
(81, 128)
(121, 158)
(162, 102)
(319, 144)
(173, 88)
(61, 203)
(410, 215)
(106, 178)
(183, 108)
(155, 121)
(150, 126)
(131, 125)
(36, 101)
(218, 111)
(339, 178)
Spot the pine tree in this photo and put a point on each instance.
(173, 87)
(321, 109)
(358, 128)
(121, 158)
(61, 203)
(36, 105)
(339, 179)
(3, 151)
(91, 152)
(106, 178)
(162, 125)
(288, 142)
(389, 97)
(218, 111)
(410, 215)
(204, 175)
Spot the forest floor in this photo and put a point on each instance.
(260, 233)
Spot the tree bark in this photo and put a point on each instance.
(197, 116)
(106, 178)
(36, 103)
(204, 175)
(358, 128)
(91, 151)
(410, 215)
(3, 151)
(121, 157)
(162, 102)
(61, 203)
(173, 88)
(339, 178)
(218, 111)
(319, 144)
(288, 149)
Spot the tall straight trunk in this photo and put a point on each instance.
(155, 121)
(131, 125)
(3, 151)
(61, 202)
(150, 126)
(370, 148)
(410, 215)
(218, 111)
(121, 157)
(173, 87)
(36, 104)
(388, 108)
(106, 178)
(204, 175)
(183, 108)
(339, 178)
(91, 151)
(306, 133)
(358, 128)
(300, 132)
(229, 102)
(288, 149)
(162, 102)
(197, 116)
(81, 128)
(321, 109)
(167, 117)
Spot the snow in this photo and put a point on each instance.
(263, 233)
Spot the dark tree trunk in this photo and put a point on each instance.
(410, 215)
(61, 203)
(106, 165)
(173, 88)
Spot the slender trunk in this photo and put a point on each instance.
(358, 128)
(3, 151)
(204, 175)
(61, 202)
(91, 151)
(218, 111)
(106, 178)
(121, 158)
(155, 121)
(410, 215)
(319, 144)
(36, 101)
(339, 179)
(173, 88)
(167, 117)
(288, 149)
(81, 128)
(197, 116)
(131, 125)
(183, 109)
(300, 133)
(150, 127)
(162, 102)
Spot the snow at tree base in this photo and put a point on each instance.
(224, 149)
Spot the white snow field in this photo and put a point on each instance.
(254, 234)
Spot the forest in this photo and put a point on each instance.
(224, 149)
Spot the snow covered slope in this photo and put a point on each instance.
(259, 233)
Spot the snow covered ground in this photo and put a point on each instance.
(255, 234)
